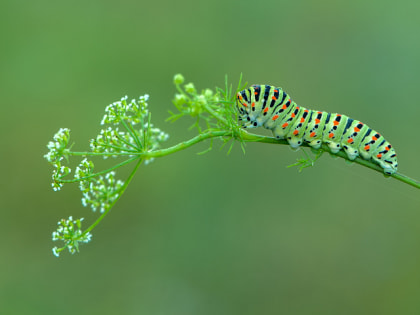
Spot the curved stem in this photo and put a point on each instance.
(92, 226)
(245, 136)
(249, 137)
(186, 144)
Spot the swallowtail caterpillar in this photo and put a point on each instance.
(270, 107)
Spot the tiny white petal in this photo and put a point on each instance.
(55, 252)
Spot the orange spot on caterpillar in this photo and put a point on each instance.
(285, 125)
(313, 134)
(284, 106)
(275, 117)
(336, 123)
(317, 121)
(265, 109)
(293, 115)
(367, 147)
(374, 138)
(387, 148)
(295, 132)
(350, 140)
(306, 111)
(297, 107)
(275, 91)
(330, 135)
(302, 120)
(379, 156)
(274, 98)
(255, 93)
(253, 104)
(356, 129)
(319, 113)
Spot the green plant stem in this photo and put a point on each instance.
(75, 153)
(249, 137)
(123, 188)
(101, 172)
(186, 144)
(216, 115)
(132, 134)
(407, 180)
(243, 135)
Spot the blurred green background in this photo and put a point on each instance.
(212, 234)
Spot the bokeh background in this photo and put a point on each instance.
(211, 234)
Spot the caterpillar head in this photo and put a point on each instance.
(246, 109)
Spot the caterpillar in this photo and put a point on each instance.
(270, 107)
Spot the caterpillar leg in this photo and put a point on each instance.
(334, 146)
(315, 144)
(294, 142)
(389, 170)
(316, 151)
(351, 152)
(385, 156)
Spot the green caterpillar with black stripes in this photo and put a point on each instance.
(270, 107)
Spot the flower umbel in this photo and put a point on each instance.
(133, 112)
(70, 232)
(127, 133)
(100, 193)
(58, 151)
(130, 140)
(58, 147)
(58, 174)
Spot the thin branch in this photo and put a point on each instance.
(123, 188)
(250, 137)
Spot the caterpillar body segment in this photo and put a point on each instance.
(270, 107)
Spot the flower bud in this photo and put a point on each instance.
(190, 88)
(208, 93)
(178, 78)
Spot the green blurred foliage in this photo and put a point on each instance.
(212, 234)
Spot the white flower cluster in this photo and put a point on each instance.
(131, 141)
(156, 137)
(101, 192)
(98, 192)
(58, 174)
(113, 141)
(57, 152)
(70, 232)
(133, 112)
(82, 172)
(58, 146)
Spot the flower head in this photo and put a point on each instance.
(58, 147)
(69, 231)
